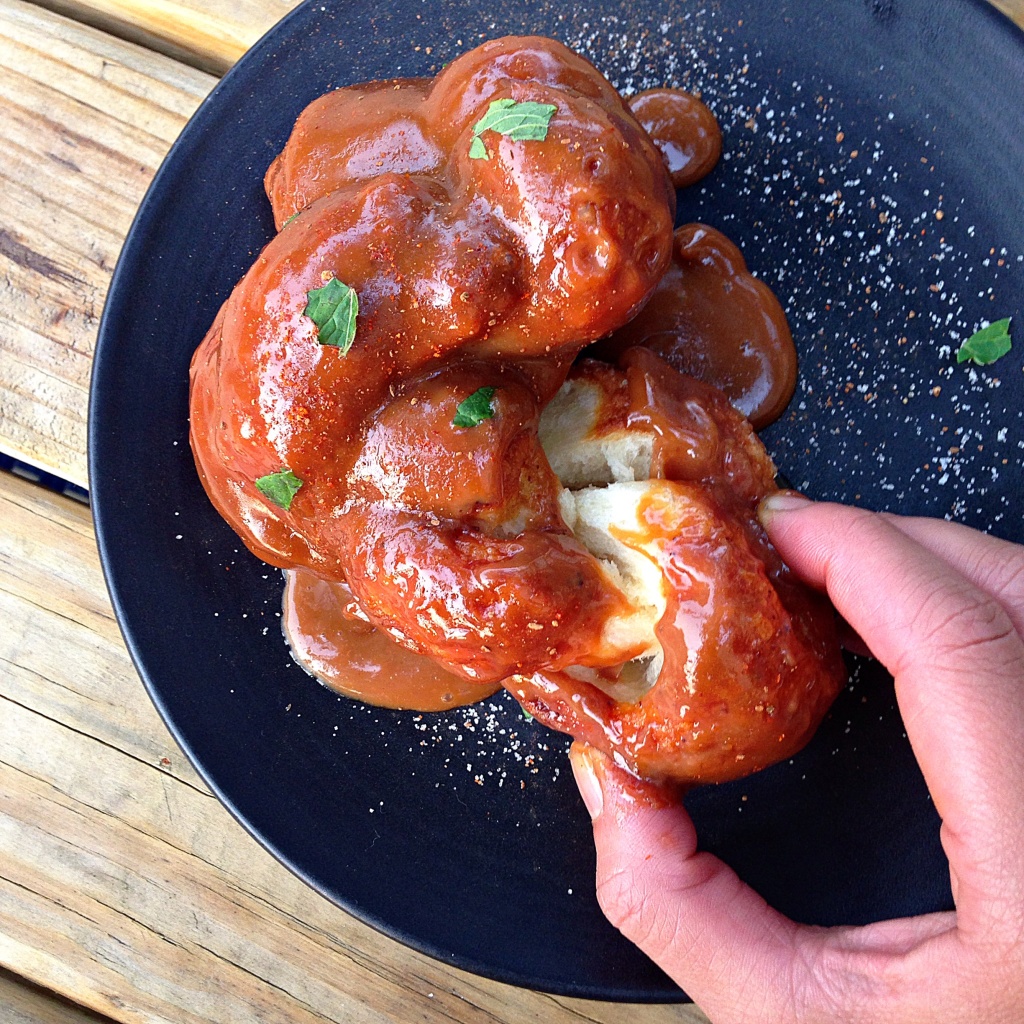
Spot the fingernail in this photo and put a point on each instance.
(780, 501)
(586, 778)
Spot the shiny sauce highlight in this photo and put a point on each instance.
(442, 252)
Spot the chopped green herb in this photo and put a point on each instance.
(526, 714)
(472, 411)
(290, 219)
(279, 487)
(518, 121)
(987, 345)
(334, 309)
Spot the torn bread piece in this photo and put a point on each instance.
(736, 661)
(604, 468)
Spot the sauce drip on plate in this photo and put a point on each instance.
(333, 641)
(712, 319)
(683, 129)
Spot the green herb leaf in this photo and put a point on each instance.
(279, 487)
(526, 714)
(517, 121)
(334, 309)
(987, 345)
(290, 219)
(472, 411)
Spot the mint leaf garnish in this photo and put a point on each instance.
(987, 345)
(518, 121)
(472, 411)
(334, 309)
(279, 487)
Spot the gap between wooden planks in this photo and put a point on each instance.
(125, 886)
(26, 1004)
(209, 34)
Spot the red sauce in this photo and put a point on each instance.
(710, 318)
(430, 562)
(331, 639)
(512, 263)
(353, 134)
(683, 129)
(751, 659)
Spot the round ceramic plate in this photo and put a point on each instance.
(874, 154)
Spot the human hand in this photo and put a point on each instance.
(942, 607)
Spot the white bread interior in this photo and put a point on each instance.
(581, 458)
(605, 481)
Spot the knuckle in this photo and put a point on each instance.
(844, 988)
(955, 621)
(1009, 583)
(652, 912)
(638, 913)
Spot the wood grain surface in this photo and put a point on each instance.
(86, 121)
(125, 885)
(21, 1003)
(209, 34)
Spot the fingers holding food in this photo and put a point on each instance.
(740, 680)
(741, 661)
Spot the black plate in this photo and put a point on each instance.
(849, 128)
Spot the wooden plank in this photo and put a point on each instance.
(25, 1004)
(1012, 8)
(213, 34)
(210, 34)
(86, 121)
(124, 885)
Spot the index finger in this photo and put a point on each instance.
(958, 663)
(993, 565)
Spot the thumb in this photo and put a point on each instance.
(688, 911)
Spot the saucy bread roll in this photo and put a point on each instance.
(663, 479)
(387, 407)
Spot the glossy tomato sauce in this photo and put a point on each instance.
(491, 223)
(711, 318)
(332, 639)
(750, 658)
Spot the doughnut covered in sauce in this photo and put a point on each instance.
(663, 481)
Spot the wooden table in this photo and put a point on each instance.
(127, 893)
